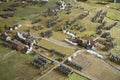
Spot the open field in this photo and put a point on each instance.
(104, 71)
(75, 76)
(58, 76)
(17, 67)
(50, 45)
(3, 51)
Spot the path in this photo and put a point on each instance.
(8, 54)
(60, 43)
(63, 44)
(59, 63)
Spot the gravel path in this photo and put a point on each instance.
(8, 54)
(63, 44)
(57, 42)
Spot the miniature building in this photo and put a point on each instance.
(45, 0)
(91, 44)
(80, 42)
(16, 45)
(72, 42)
(20, 47)
(24, 40)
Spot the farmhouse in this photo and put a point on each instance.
(24, 40)
(71, 42)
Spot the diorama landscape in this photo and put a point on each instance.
(59, 40)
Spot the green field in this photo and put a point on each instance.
(50, 45)
(77, 77)
(17, 67)
(59, 76)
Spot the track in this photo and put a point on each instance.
(63, 44)
(60, 43)
(62, 63)
(8, 54)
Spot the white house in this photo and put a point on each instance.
(45, 0)
(73, 43)
(28, 50)
(20, 36)
(69, 33)
(95, 53)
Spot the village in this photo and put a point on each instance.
(59, 40)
